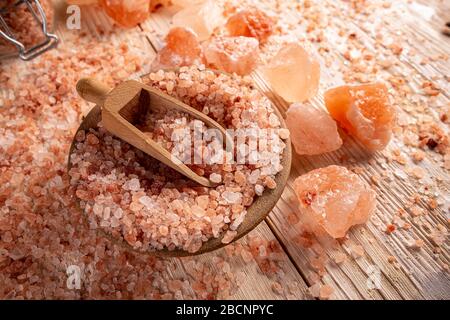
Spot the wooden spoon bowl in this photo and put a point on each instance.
(256, 213)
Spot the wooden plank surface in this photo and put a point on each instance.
(253, 282)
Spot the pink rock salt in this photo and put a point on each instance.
(333, 199)
(293, 73)
(325, 292)
(232, 54)
(182, 49)
(127, 13)
(312, 130)
(185, 3)
(229, 236)
(202, 18)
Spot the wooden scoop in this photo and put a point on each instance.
(123, 106)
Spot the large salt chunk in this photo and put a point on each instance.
(182, 49)
(251, 22)
(232, 54)
(333, 199)
(364, 111)
(203, 18)
(293, 73)
(312, 130)
(127, 13)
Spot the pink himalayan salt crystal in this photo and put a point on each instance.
(293, 73)
(333, 199)
(82, 2)
(202, 18)
(364, 111)
(163, 230)
(246, 256)
(202, 201)
(357, 251)
(132, 185)
(340, 258)
(232, 54)
(182, 49)
(314, 290)
(147, 202)
(185, 3)
(232, 197)
(127, 13)
(229, 236)
(277, 288)
(312, 130)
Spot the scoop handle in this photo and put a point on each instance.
(92, 90)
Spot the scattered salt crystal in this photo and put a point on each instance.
(312, 130)
(202, 18)
(198, 211)
(357, 251)
(97, 209)
(232, 197)
(232, 54)
(416, 244)
(107, 213)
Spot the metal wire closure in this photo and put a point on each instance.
(22, 52)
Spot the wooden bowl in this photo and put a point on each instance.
(256, 213)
